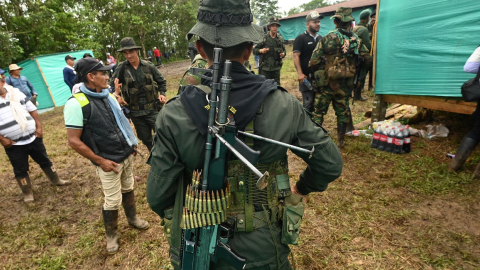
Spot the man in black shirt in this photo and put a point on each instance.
(303, 47)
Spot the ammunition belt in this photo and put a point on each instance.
(148, 106)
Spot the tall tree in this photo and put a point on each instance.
(264, 9)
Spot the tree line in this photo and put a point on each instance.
(36, 27)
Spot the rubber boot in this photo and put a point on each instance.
(128, 202)
(110, 220)
(350, 126)
(341, 134)
(476, 173)
(357, 94)
(464, 150)
(26, 187)
(53, 176)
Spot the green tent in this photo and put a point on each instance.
(422, 46)
(294, 25)
(45, 72)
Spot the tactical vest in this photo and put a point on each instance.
(274, 52)
(139, 96)
(100, 130)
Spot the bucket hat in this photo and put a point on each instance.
(128, 43)
(274, 20)
(13, 67)
(344, 14)
(225, 23)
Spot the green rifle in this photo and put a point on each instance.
(358, 68)
(205, 232)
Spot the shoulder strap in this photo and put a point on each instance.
(207, 90)
(87, 112)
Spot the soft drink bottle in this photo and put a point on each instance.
(383, 139)
(406, 140)
(376, 136)
(391, 135)
(398, 141)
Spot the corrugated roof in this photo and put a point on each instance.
(333, 8)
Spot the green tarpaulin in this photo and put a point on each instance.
(423, 45)
(291, 28)
(50, 86)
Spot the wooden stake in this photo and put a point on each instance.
(48, 88)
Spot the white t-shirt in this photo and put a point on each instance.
(9, 128)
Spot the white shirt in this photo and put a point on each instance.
(9, 128)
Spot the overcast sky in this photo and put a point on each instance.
(286, 5)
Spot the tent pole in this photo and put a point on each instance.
(374, 70)
(48, 87)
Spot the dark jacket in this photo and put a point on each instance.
(102, 134)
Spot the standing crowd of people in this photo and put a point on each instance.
(175, 132)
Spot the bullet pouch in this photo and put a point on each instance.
(167, 225)
(292, 218)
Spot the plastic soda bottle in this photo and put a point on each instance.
(406, 140)
(308, 84)
(383, 139)
(376, 136)
(398, 141)
(391, 135)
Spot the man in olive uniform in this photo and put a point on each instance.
(271, 51)
(333, 64)
(362, 32)
(141, 88)
(261, 107)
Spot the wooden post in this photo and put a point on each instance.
(379, 109)
(374, 50)
(45, 80)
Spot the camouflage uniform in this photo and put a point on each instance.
(361, 31)
(271, 62)
(336, 52)
(190, 79)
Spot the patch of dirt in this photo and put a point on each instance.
(175, 68)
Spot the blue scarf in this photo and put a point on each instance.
(122, 121)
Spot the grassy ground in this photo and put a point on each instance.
(386, 211)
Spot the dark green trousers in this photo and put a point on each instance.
(271, 75)
(145, 127)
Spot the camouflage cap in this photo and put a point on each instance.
(225, 23)
(313, 16)
(274, 20)
(344, 14)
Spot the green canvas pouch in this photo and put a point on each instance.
(292, 218)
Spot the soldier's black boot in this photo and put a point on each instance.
(464, 150)
(341, 134)
(128, 202)
(350, 126)
(110, 220)
(26, 187)
(357, 94)
(53, 176)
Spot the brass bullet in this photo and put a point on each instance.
(219, 202)
(209, 203)
(204, 202)
(195, 208)
(224, 203)
(204, 222)
(214, 204)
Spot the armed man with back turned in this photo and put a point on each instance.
(141, 88)
(333, 65)
(362, 32)
(271, 51)
(263, 220)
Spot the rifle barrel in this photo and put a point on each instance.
(260, 138)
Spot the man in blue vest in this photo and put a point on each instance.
(98, 130)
